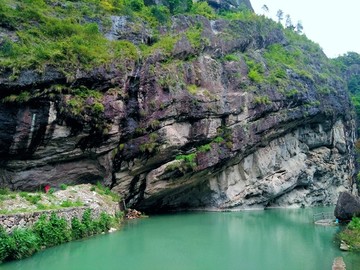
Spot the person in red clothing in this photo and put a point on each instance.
(47, 188)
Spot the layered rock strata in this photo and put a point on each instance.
(185, 130)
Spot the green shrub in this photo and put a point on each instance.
(98, 108)
(351, 235)
(192, 88)
(190, 159)
(165, 44)
(291, 93)
(102, 190)
(41, 206)
(194, 35)
(203, 8)
(231, 57)
(255, 71)
(354, 223)
(136, 5)
(276, 55)
(88, 222)
(6, 244)
(78, 230)
(25, 243)
(242, 15)
(4, 191)
(280, 73)
(68, 203)
(219, 139)
(63, 186)
(262, 100)
(52, 232)
(105, 222)
(255, 76)
(34, 199)
(204, 148)
(161, 13)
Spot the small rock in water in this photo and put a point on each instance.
(344, 246)
(133, 214)
(338, 264)
(112, 230)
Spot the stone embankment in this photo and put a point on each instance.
(19, 212)
(26, 220)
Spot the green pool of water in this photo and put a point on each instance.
(271, 239)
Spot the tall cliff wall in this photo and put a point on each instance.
(237, 114)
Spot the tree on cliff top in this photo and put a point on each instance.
(280, 15)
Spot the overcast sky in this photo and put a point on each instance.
(332, 24)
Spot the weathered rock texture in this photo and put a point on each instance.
(187, 129)
(347, 206)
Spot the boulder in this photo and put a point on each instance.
(347, 206)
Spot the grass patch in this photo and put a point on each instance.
(192, 89)
(68, 203)
(256, 71)
(351, 235)
(231, 58)
(102, 190)
(33, 199)
(189, 160)
(265, 100)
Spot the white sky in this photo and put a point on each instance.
(332, 24)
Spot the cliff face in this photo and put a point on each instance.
(220, 120)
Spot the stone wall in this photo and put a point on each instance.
(26, 220)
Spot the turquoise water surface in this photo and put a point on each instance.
(270, 239)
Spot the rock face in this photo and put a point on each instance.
(347, 206)
(188, 128)
(230, 4)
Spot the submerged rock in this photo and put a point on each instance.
(339, 264)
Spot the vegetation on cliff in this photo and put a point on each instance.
(73, 37)
(349, 67)
(70, 34)
(135, 94)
